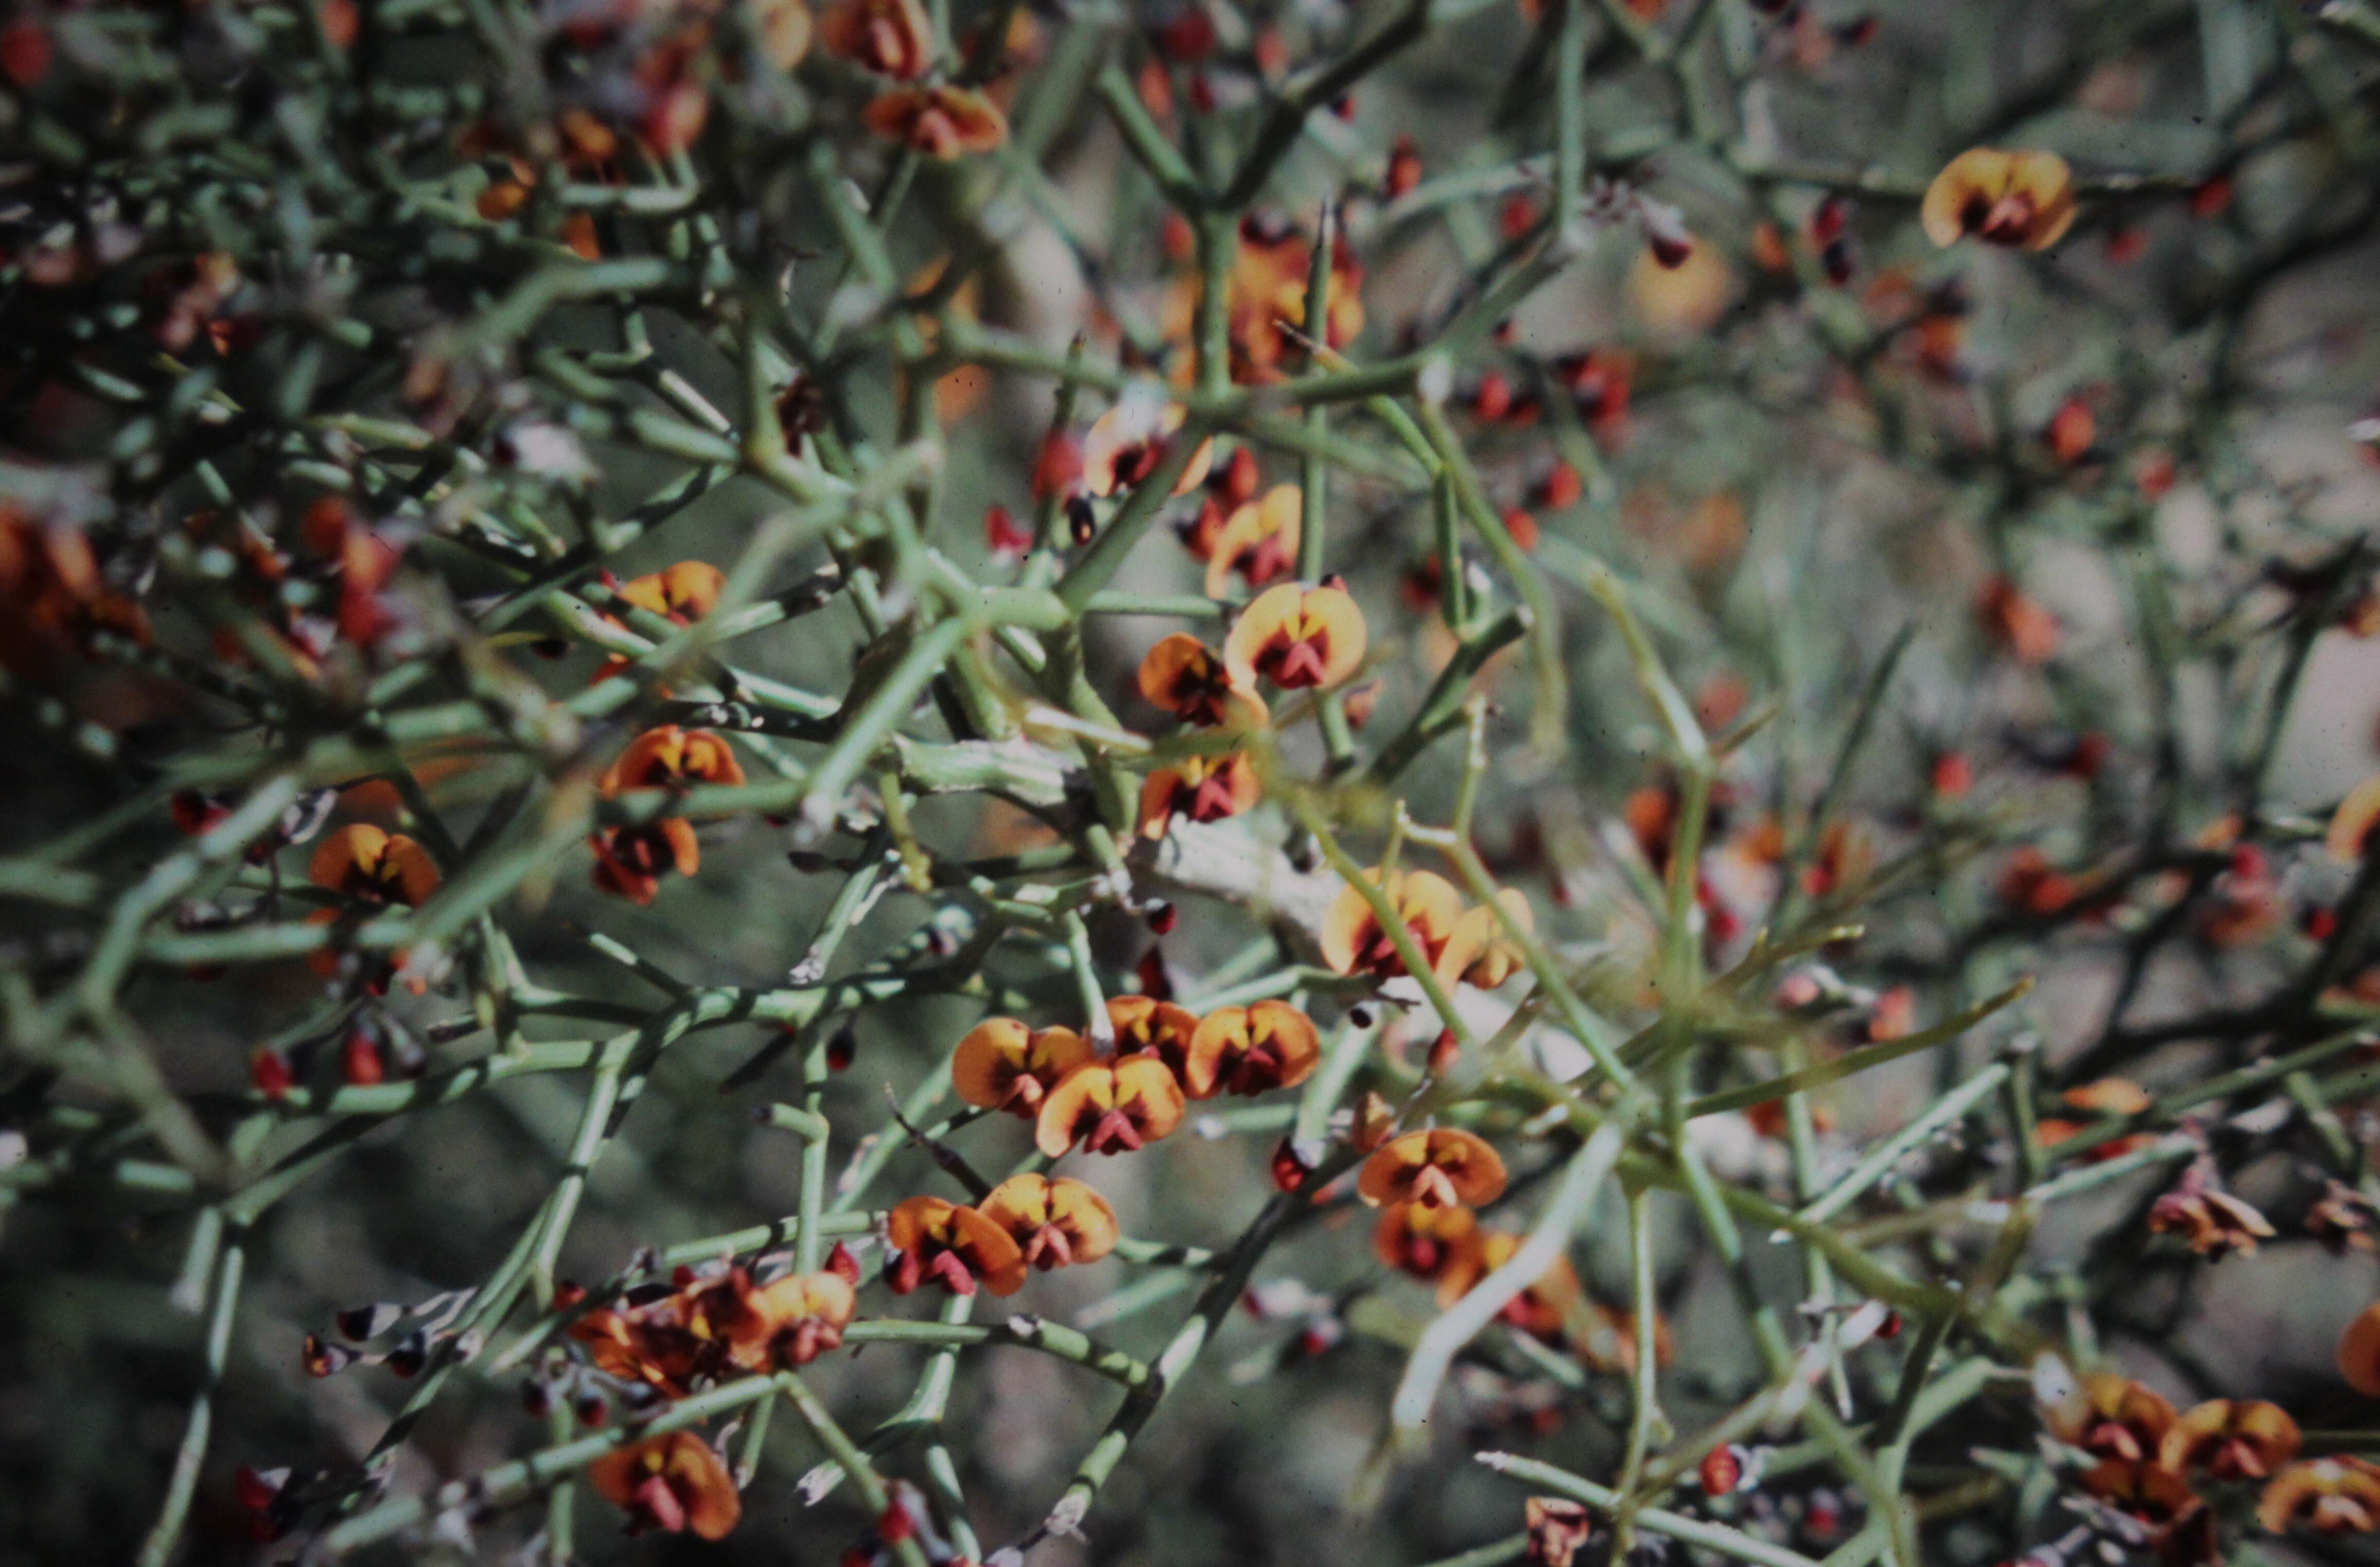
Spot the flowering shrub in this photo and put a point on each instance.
(972, 782)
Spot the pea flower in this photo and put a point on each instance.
(1054, 1222)
(1202, 788)
(1353, 940)
(1258, 541)
(1003, 1064)
(1191, 681)
(959, 1246)
(1111, 1107)
(892, 38)
(2328, 1496)
(1296, 637)
(631, 859)
(1146, 1025)
(1250, 1050)
(2024, 200)
(1127, 444)
(1443, 1167)
(2231, 1439)
(1436, 1245)
(671, 1484)
(939, 121)
(2110, 1416)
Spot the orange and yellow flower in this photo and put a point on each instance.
(1442, 1167)
(794, 1320)
(1553, 1308)
(1191, 681)
(2113, 1418)
(1258, 541)
(1436, 1245)
(680, 594)
(892, 38)
(954, 1246)
(1202, 788)
(673, 1484)
(54, 592)
(1053, 1222)
(1111, 1107)
(1146, 1025)
(361, 862)
(2231, 1439)
(2329, 1495)
(939, 121)
(2215, 1222)
(1481, 932)
(1130, 440)
(1266, 299)
(1252, 1050)
(1296, 637)
(2021, 200)
(1353, 940)
(631, 859)
(1003, 1064)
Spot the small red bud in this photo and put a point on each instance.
(1188, 38)
(25, 51)
(1722, 1470)
(1443, 1052)
(360, 1065)
(1003, 534)
(1162, 918)
(1561, 487)
(1288, 1172)
(841, 1261)
(1827, 223)
(1494, 398)
(272, 1073)
(841, 1048)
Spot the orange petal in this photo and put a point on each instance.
(353, 849)
(1283, 619)
(1277, 517)
(1021, 1202)
(1144, 1022)
(1148, 1083)
(1471, 1167)
(2349, 837)
(415, 873)
(918, 1218)
(1088, 1221)
(2358, 1352)
(1157, 793)
(1090, 1086)
(1977, 174)
(988, 1062)
(991, 1251)
(713, 1508)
